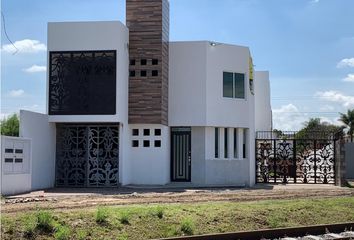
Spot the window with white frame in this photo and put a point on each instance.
(233, 85)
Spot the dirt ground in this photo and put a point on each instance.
(66, 199)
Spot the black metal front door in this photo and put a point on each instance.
(87, 155)
(181, 154)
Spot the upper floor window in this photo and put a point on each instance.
(82, 83)
(234, 85)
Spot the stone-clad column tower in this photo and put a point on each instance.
(148, 23)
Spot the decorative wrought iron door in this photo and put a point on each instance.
(291, 158)
(181, 154)
(87, 156)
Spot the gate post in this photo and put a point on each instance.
(340, 171)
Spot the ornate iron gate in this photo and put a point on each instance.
(290, 157)
(87, 155)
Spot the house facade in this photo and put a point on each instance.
(127, 106)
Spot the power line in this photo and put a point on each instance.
(7, 36)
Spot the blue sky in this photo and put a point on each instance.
(307, 45)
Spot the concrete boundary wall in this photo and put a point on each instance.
(16, 167)
(36, 127)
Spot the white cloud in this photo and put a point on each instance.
(346, 62)
(335, 96)
(35, 69)
(327, 108)
(16, 93)
(349, 78)
(288, 118)
(24, 46)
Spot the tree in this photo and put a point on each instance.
(348, 121)
(314, 128)
(10, 126)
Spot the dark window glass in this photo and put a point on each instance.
(146, 143)
(143, 62)
(132, 73)
(244, 143)
(9, 160)
(135, 143)
(18, 151)
(135, 132)
(226, 142)
(18, 160)
(235, 143)
(157, 143)
(155, 61)
(143, 73)
(146, 132)
(132, 62)
(228, 85)
(154, 73)
(239, 85)
(157, 132)
(9, 150)
(216, 142)
(82, 83)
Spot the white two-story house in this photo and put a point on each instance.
(125, 106)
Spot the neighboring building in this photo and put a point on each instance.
(126, 106)
(263, 108)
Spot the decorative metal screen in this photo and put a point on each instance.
(82, 83)
(87, 155)
(288, 159)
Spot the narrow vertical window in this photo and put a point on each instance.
(228, 85)
(239, 85)
(226, 142)
(244, 143)
(216, 142)
(235, 142)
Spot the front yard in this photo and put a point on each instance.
(146, 221)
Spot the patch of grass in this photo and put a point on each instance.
(45, 221)
(158, 212)
(81, 235)
(102, 215)
(124, 218)
(143, 221)
(187, 226)
(30, 224)
(62, 233)
(123, 237)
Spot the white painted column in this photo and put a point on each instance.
(240, 143)
(231, 143)
(221, 143)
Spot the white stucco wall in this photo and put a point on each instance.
(36, 127)
(263, 109)
(15, 176)
(196, 99)
(150, 165)
(196, 85)
(77, 36)
(187, 84)
(228, 171)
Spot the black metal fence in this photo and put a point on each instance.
(293, 157)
